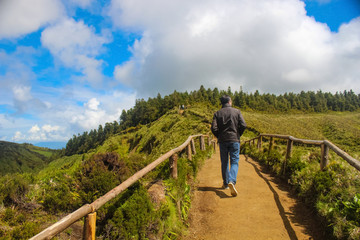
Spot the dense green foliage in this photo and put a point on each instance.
(20, 158)
(145, 112)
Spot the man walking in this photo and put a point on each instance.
(228, 125)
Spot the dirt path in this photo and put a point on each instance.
(263, 209)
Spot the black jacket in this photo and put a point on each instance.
(228, 124)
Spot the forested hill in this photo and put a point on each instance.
(145, 112)
(20, 158)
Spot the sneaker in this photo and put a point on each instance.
(233, 190)
(225, 187)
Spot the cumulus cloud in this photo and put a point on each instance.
(92, 104)
(92, 115)
(77, 45)
(18, 136)
(96, 109)
(34, 129)
(19, 17)
(45, 133)
(65, 117)
(269, 45)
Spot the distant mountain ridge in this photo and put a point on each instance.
(20, 158)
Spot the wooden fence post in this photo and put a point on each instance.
(271, 143)
(324, 156)
(188, 152)
(202, 143)
(259, 143)
(89, 226)
(193, 149)
(288, 152)
(214, 145)
(173, 166)
(209, 141)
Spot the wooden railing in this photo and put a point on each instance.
(324, 144)
(89, 210)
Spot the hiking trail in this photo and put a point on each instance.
(264, 209)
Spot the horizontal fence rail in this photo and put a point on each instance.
(324, 144)
(89, 210)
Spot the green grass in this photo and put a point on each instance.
(341, 128)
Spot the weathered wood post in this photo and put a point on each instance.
(188, 151)
(193, 149)
(89, 226)
(288, 152)
(202, 143)
(324, 156)
(214, 145)
(259, 143)
(209, 141)
(271, 144)
(173, 166)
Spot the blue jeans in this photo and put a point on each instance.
(231, 149)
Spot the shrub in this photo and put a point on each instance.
(60, 195)
(101, 173)
(25, 231)
(13, 189)
(133, 219)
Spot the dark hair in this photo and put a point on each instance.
(225, 99)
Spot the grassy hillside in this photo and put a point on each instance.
(20, 158)
(30, 202)
(341, 128)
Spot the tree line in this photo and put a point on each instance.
(145, 112)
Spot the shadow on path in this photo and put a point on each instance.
(282, 212)
(219, 191)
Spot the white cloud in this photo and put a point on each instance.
(92, 104)
(269, 45)
(34, 129)
(19, 17)
(22, 93)
(91, 116)
(205, 23)
(45, 133)
(18, 136)
(45, 130)
(140, 50)
(48, 128)
(97, 109)
(123, 72)
(77, 45)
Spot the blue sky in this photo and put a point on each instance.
(67, 66)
